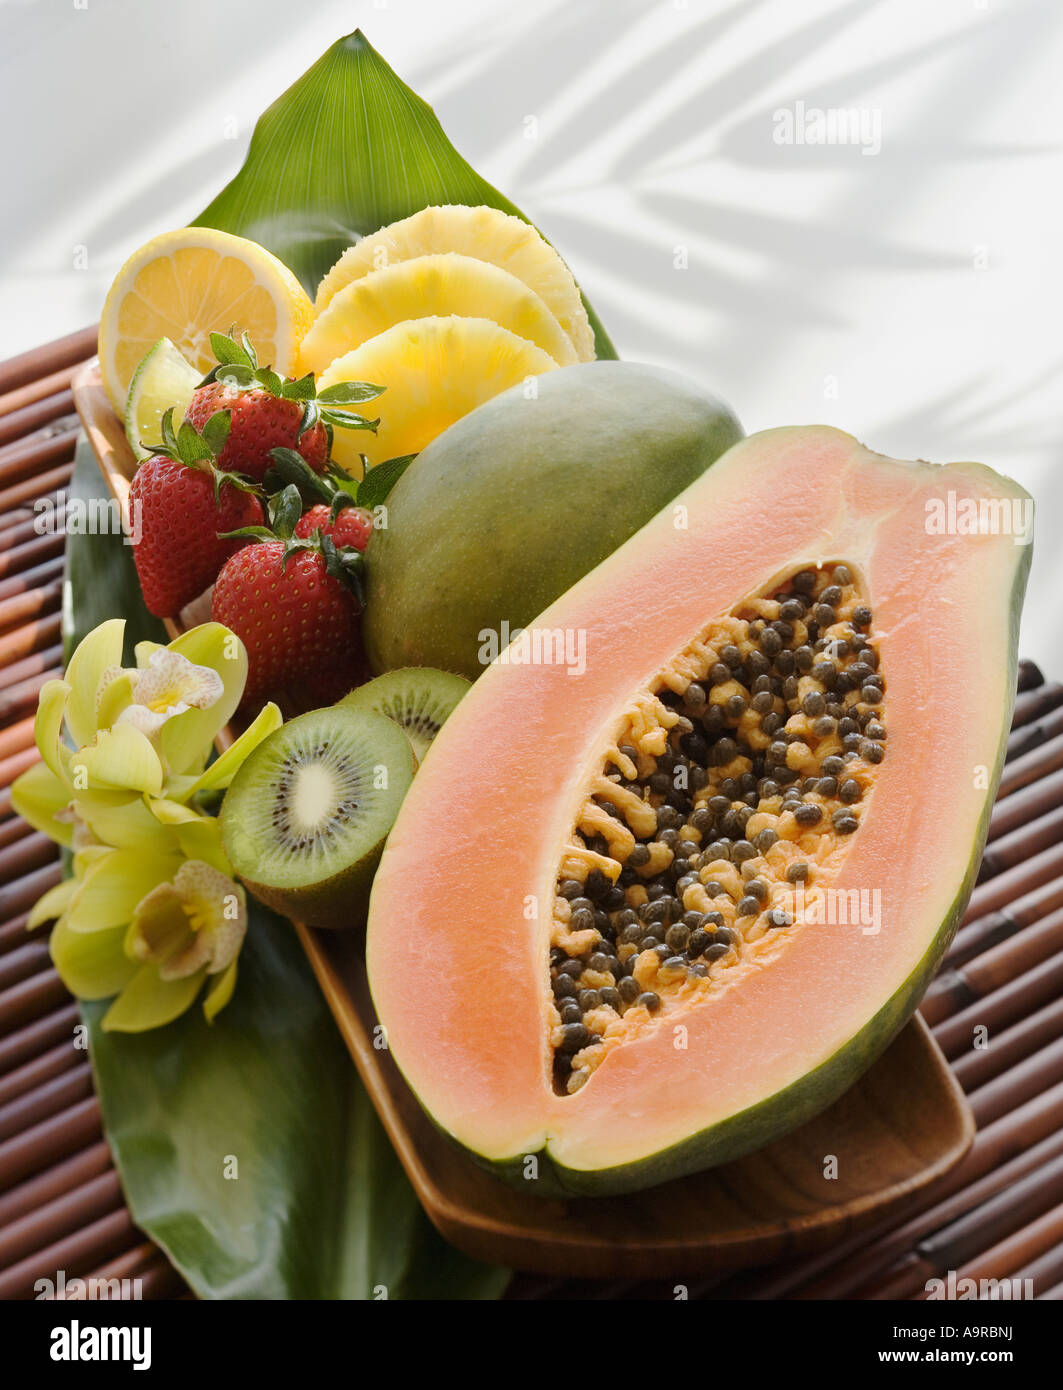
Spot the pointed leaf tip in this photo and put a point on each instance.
(349, 111)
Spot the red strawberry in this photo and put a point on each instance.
(300, 624)
(353, 525)
(268, 412)
(260, 422)
(178, 505)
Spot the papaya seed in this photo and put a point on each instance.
(763, 716)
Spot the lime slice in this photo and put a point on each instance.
(164, 378)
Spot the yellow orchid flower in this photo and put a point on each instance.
(166, 687)
(151, 910)
(182, 933)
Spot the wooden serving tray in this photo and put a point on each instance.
(901, 1127)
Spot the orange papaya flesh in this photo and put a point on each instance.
(471, 920)
(729, 795)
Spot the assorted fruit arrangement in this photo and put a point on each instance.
(199, 490)
(444, 310)
(256, 486)
(689, 686)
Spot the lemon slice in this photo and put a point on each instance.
(185, 285)
(163, 379)
(436, 370)
(481, 232)
(427, 287)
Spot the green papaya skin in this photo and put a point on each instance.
(510, 506)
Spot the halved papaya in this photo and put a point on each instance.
(683, 861)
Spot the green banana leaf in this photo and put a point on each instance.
(101, 577)
(247, 1148)
(346, 150)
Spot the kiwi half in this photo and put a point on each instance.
(306, 817)
(417, 698)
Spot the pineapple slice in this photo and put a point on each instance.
(436, 370)
(428, 287)
(485, 234)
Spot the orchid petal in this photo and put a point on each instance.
(148, 1002)
(201, 839)
(114, 884)
(225, 767)
(194, 955)
(114, 696)
(118, 759)
(160, 926)
(48, 726)
(186, 740)
(38, 795)
(169, 812)
(198, 836)
(123, 820)
(144, 651)
(217, 905)
(87, 855)
(91, 965)
(149, 721)
(51, 904)
(102, 648)
(219, 993)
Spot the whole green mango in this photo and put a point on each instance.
(513, 503)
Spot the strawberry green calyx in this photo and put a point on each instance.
(238, 370)
(200, 449)
(336, 488)
(192, 446)
(373, 489)
(285, 508)
(290, 469)
(331, 500)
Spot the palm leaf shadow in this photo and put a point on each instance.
(981, 418)
(712, 107)
(600, 109)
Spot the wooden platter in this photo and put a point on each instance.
(902, 1126)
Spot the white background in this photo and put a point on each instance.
(911, 296)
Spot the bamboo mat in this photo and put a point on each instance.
(999, 1214)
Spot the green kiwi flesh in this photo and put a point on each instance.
(418, 698)
(306, 817)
